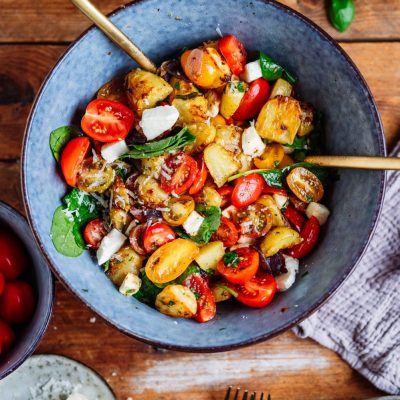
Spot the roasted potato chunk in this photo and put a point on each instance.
(152, 166)
(220, 293)
(307, 119)
(245, 161)
(150, 192)
(281, 88)
(209, 196)
(120, 197)
(213, 98)
(233, 94)
(145, 89)
(119, 218)
(177, 301)
(205, 134)
(229, 137)
(209, 256)
(125, 261)
(279, 120)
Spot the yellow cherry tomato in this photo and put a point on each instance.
(278, 239)
(179, 210)
(286, 160)
(271, 158)
(305, 185)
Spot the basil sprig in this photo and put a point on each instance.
(271, 71)
(342, 13)
(60, 137)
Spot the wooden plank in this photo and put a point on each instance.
(287, 367)
(24, 67)
(58, 20)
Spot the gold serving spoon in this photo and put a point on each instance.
(121, 40)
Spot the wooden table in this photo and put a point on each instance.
(33, 34)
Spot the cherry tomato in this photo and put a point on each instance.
(72, 158)
(206, 307)
(271, 190)
(253, 100)
(226, 193)
(107, 120)
(247, 190)
(136, 238)
(257, 292)
(254, 220)
(2, 283)
(234, 53)
(201, 176)
(227, 233)
(295, 218)
(309, 234)
(246, 268)
(17, 302)
(271, 157)
(94, 233)
(13, 258)
(184, 171)
(7, 337)
(305, 185)
(156, 235)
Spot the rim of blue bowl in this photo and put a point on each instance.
(28, 351)
(347, 272)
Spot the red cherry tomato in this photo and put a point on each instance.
(201, 176)
(246, 268)
(206, 307)
(17, 302)
(94, 233)
(253, 100)
(136, 238)
(257, 292)
(247, 190)
(13, 258)
(309, 234)
(156, 235)
(227, 233)
(184, 171)
(271, 190)
(2, 283)
(72, 158)
(234, 53)
(107, 120)
(7, 337)
(226, 193)
(295, 218)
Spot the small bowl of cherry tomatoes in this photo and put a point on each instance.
(26, 291)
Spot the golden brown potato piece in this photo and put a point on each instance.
(152, 166)
(307, 119)
(209, 256)
(120, 197)
(205, 134)
(177, 301)
(120, 219)
(281, 88)
(209, 196)
(150, 192)
(220, 293)
(229, 137)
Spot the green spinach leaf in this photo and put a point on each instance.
(342, 13)
(60, 137)
(271, 71)
(148, 290)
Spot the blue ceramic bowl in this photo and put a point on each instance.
(39, 275)
(327, 78)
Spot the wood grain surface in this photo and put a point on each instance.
(33, 34)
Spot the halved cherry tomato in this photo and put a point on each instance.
(271, 190)
(206, 307)
(257, 292)
(136, 237)
(295, 218)
(7, 337)
(253, 100)
(247, 267)
(201, 176)
(184, 171)
(309, 234)
(17, 302)
(226, 193)
(305, 185)
(234, 53)
(254, 220)
(247, 190)
(72, 158)
(94, 233)
(13, 258)
(107, 120)
(156, 235)
(2, 283)
(227, 233)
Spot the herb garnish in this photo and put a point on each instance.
(60, 137)
(271, 71)
(231, 259)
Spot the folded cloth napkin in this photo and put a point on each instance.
(361, 322)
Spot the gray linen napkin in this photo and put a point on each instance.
(361, 322)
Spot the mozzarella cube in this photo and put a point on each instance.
(318, 211)
(252, 71)
(130, 285)
(193, 223)
(286, 280)
(252, 144)
(281, 200)
(157, 120)
(110, 244)
(112, 151)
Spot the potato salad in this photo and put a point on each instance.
(189, 186)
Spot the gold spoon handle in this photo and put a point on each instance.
(360, 162)
(118, 37)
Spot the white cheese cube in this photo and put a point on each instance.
(281, 200)
(130, 285)
(193, 223)
(252, 71)
(286, 280)
(111, 151)
(110, 244)
(252, 144)
(318, 211)
(157, 120)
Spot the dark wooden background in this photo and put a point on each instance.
(33, 34)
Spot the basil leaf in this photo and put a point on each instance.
(342, 13)
(159, 147)
(231, 259)
(148, 290)
(60, 137)
(271, 71)
(273, 178)
(299, 143)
